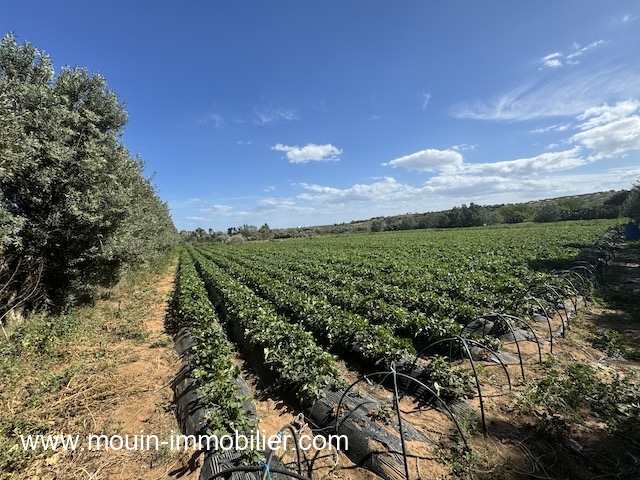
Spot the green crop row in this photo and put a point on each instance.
(416, 282)
(211, 354)
(331, 326)
(289, 351)
(371, 303)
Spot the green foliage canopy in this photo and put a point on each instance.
(631, 205)
(75, 207)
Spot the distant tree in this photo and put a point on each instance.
(476, 215)
(186, 235)
(517, 213)
(444, 220)
(494, 217)
(631, 206)
(265, 232)
(617, 199)
(408, 223)
(377, 226)
(570, 204)
(200, 234)
(548, 213)
(236, 238)
(250, 232)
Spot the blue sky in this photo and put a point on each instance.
(316, 112)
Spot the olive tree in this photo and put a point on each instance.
(631, 205)
(74, 203)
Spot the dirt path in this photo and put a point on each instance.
(125, 365)
(150, 411)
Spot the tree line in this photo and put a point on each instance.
(75, 206)
(614, 205)
(625, 203)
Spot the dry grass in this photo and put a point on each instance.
(104, 369)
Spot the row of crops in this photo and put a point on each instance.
(296, 307)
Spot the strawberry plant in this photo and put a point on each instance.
(210, 356)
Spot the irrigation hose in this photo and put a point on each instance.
(258, 468)
(294, 427)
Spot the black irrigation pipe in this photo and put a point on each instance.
(258, 468)
(485, 318)
(475, 373)
(584, 265)
(526, 325)
(396, 401)
(367, 378)
(559, 299)
(472, 342)
(508, 318)
(292, 429)
(572, 298)
(596, 270)
(585, 284)
(546, 316)
(503, 318)
(588, 271)
(465, 343)
(589, 277)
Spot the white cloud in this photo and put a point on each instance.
(426, 98)
(610, 76)
(213, 118)
(310, 152)
(463, 147)
(610, 130)
(565, 95)
(558, 59)
(453, 181)
(270, 188)
(386, 190)
(577, 183)
(552, 60)
(321, 106)
(558, 127)
(604, 131)
(279, 205)
(266, 116)
(450, 162)
(427, 160)
(448, 189)
(579, 51)
(603, 114)
(545, 162)
(218, 209)
(273, 202)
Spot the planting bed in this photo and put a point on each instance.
(313, 316)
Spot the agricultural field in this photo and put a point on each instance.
(311, 317)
